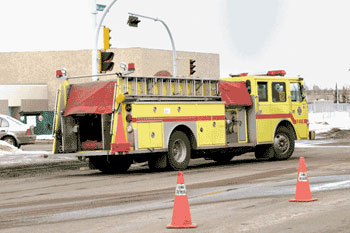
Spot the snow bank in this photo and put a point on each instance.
(325, 121)
(10, 155)
(6, 148)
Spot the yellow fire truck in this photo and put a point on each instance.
(167, 121)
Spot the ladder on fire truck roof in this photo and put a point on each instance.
(170, 88)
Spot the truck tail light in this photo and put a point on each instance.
(129, 118)
(128, 107)
(29, 132)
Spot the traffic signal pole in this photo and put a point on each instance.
(171, 39)
(96, 29)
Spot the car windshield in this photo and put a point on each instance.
(14, 120)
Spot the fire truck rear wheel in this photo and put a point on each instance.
(265, 152)
(179, 151)
(224, 157)
(283, 143)
(110, 165)
(157, 162)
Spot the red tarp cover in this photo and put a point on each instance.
(234, 93)
(94, 97)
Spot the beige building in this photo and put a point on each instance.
(28, 81)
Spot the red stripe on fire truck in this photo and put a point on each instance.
(180, 118)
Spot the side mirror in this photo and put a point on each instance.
(302, 91)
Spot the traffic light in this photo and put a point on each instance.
(105, 63)
(133, 21)
(106, 38)
(192, 66)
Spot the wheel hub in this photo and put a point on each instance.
(179, 151)
(281, 143)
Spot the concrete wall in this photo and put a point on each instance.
(15, 93)
(4, 107)
(40, 67)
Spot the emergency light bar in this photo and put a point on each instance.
(276, 73)
(269, 73)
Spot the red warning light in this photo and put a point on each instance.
(276, 73)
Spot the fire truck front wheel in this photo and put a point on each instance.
(179, 151)
(283, 143)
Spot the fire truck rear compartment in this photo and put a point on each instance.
(94, 132)
(86, 132)
(90, 128)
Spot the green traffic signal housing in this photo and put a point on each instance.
(192, 66)
(106, 61)
(133, 21)
(106, 38)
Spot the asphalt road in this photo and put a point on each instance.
(245, 195)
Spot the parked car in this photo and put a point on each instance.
(15, 132)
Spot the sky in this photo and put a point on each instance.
(307, 38)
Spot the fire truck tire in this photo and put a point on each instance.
(157, 162)
(283, 143)
(112, 165)
(179, 151)
(223, 158)
(264, 152)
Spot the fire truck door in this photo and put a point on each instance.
(69, 134)
(263, 106)
(299, 109)
(242, 129)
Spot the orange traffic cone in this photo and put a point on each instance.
(120, 141)
(303, 193)
(181, 211)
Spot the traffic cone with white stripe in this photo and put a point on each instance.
(303, 193)
(181, 211)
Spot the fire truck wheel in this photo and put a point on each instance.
(179, 151)
(283, 143)
(223, 157)
(157, 162)
(112, 165)
(264, 152)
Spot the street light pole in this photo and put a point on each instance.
(171, 39)
(96, 29)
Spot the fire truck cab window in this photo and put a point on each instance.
(278, 92)
(262, 91)
(296, 92)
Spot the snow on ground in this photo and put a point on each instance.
(325, 121)
(44, 137)
(10, 155)
(320, 122)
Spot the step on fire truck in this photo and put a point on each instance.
(167, 121)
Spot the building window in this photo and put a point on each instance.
(278, 92)
(262, 91)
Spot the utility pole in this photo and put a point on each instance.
(96, 30)
(170, 36)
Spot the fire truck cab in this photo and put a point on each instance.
(167, 121)
(280, 113)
